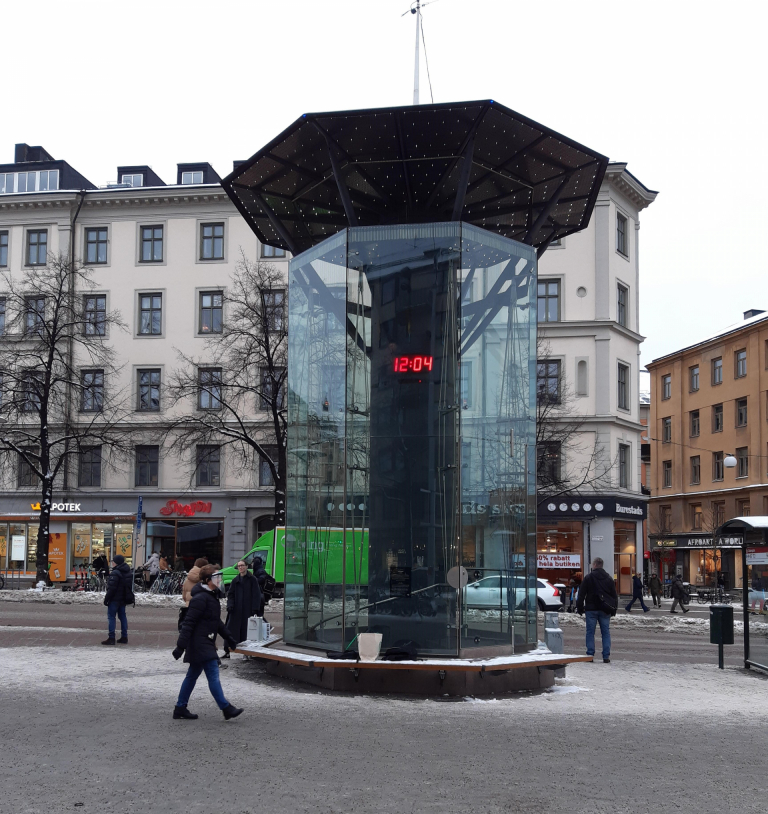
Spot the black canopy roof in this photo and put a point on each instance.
(478, 162)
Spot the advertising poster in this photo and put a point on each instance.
(18, 546)
(82, 545)
(124, 544)
(559, 561)
(757, 555)
(3, 547)
(57, 557)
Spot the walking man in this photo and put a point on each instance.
(119, 593)
(597, 594)
(655, 586)
(679, 594)
(637, 593)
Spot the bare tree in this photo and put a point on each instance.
(240, 375)
(568, 457)
(57, 369)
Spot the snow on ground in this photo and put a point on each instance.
(680, 623)
(57, 597)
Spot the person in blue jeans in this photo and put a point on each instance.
(197, 642)
(637, 593)
(119, 593)
(598, 598)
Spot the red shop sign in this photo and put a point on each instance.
(185, 510)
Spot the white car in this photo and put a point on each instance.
(489, 593)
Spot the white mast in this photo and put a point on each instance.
(417, 12)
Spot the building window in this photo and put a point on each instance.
(95, 308)
(3, 249)
(717, 466)
(151, 244)
(134, 180)
(465, 371)
(621, 304)
(31, 391)
(271, 251)
(2, 315)
(268, 384)
(147, 459)
(549, 300)
(212, 241)
(150, 314)
(92, 391)
(548, 463)
(695, 424)
(741, 412)
(195, 177)
(741, 363)
(623, 386)
(25, 474)
(695, 469)
(274, 304)
(624, 479)
(208, 472)
(148, 390)
(95, 246)
(89, 467)
(666, 387)
(743, 508)
(717, 370)
(694, 377)
(742, 462)
(548, 382)
(718, 513)
(665, 518)
(209, 388)
(211, 312)
(696, 516)
(265, 473)
(666, 474)
(622, 239)
(717, 418)
(37, 247)
(666, 430)
(34, 321)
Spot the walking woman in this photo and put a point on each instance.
(197, 642)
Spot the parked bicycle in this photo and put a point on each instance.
(712, 596)
(168, 583)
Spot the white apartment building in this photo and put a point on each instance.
(588, 291)
(161, 255)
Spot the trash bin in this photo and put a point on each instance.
(720, 628)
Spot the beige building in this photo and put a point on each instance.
(162, 255)
(709, 448)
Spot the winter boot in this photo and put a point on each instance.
(183, 712)
(231, 712)
(606, 661)
(108, 641)
(123, 640)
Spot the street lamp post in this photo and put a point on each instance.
(729, 462)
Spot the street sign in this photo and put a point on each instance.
(138, 516)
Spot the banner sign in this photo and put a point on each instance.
(185, 510)
(57, 557)
(757, 555)
(559, 561)
(594, 506)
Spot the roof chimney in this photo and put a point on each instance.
(24, 153)
(753, 312)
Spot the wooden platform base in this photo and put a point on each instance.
(428, 676)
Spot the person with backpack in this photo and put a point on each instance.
(119, 594)
(637, 593)
(598, 597)
(679, 594)
(197, 643)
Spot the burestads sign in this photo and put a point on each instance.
(559, 561)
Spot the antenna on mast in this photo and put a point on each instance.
(415, 8)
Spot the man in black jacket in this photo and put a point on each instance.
(197, 641)
(116, 598)
(597, 595)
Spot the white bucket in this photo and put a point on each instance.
(369, 645)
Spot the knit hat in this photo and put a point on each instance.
(118, 559)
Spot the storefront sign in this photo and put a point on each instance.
(185, 510)
(593, 506)
(559, 561)
(18, 546)
(757, 555)
(493, 509)
(57, 557)
(697, 542)
(58, 507)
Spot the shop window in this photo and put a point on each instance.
(183, 541)
(90, 540)
(17, 546)
(81, 544)
(695, 424)
(625, 552)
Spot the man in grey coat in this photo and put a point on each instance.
(679, 594)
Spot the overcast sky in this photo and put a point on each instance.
(676, 89)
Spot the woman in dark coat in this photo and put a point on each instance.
(197, 641)
(637, 593)
(244, 600)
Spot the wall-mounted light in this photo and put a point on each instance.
(730, 462)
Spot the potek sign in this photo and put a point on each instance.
(58, 507)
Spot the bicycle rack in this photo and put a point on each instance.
(12, 579)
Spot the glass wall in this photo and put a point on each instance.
(624, 553)
(18, 546)
(90, 540)
(409, 397)
(184, 541)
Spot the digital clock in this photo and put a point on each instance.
(412, 364)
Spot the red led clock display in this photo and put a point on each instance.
(412, 364)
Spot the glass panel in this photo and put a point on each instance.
(81, 544)
(53, 179)
(3, 544)
(498, 341)
(43, 181)
(32, 532)
(198, 539)
(123, 537)
(17, 546)
(101, 541)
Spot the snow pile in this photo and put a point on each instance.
(56, 597)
